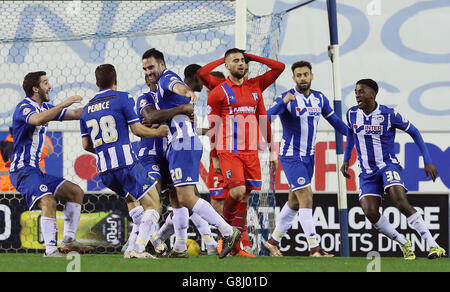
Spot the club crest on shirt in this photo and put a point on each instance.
(143, 102)
(26, 111)
(228, 173)
(43, 188)
(255, 96)
(379, 118)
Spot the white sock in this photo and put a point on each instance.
(284, 222)
(167, 229)
(180, 225)
(149, 225)
(132, 239)
(201, 225)
(305, 216)
(387, 229)
(207, 212)
(416, 221)
(72, 215)
(136, 214)
(49, 230)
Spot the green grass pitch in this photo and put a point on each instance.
(116, 263)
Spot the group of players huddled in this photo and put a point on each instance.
(170, 152)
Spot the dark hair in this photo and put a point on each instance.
(218, 74)
(105, 75)
(155, 54)
(32, 80)
(300, 64)
(191, 70)
(370, 83)
(233, 51)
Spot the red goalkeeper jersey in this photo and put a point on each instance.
(235, 113)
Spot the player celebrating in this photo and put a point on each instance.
(372, 128)
(299, 110)
(104, 130)
(152, 155)
(236, 113)
(185, 149)
(30, 123)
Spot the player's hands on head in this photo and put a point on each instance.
(288, 98)
(431, 170)
(344, 169)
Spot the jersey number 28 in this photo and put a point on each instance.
(107, 125)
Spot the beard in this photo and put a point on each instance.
(44, 96)
(237, 74)
(304, 87)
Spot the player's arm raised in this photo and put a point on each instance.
(184, 90)
(209, 80)
(38, 119)
(73, 115)
(270, 76)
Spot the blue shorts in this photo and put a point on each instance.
(376, 184)
(157, 167)
(33, 184)
(184, 163)
(299, 170)
(132, 180)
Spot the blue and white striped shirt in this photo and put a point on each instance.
(29, 140)
(300, 119)
(374, 136)
(149, 146)
(106, 119)
(180, 126)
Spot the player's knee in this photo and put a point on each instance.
(47, 203)
(76, 194)
(373, 214)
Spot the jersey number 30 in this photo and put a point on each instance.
(107, 125)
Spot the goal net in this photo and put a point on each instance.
(68, 40)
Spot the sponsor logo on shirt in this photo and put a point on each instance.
(373, 130)
(314, 111)
(244, 110)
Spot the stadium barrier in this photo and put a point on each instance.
(105, 224)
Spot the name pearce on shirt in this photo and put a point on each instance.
(98, 106)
